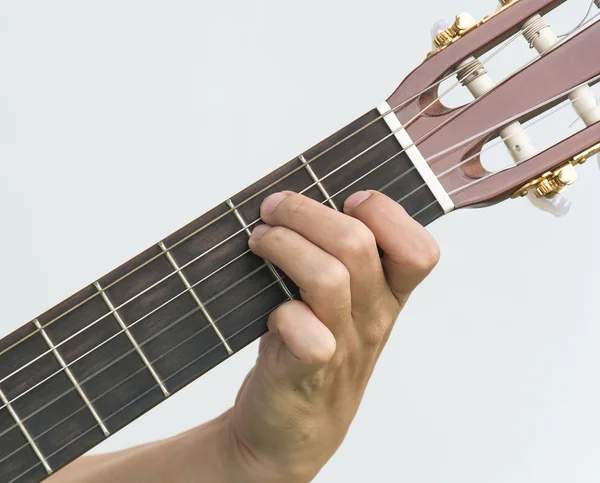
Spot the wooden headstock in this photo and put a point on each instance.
(450, 139)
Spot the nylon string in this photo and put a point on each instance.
(214, 220)
(143, 368)
(248, 251)
(274, 283)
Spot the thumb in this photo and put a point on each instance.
(301, 344)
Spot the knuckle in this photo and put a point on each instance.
(333, 278)
(358, 242)
(375, 333)
(424, 256)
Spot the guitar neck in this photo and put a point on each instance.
(122, 345)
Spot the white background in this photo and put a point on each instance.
(120, 121)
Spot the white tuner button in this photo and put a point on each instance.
(558, 206)
(439, 27)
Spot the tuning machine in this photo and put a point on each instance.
(445, 33)
(550, 185)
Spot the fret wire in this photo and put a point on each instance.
(248, 251)
(192, 292)
(204, 354)
(71, 376)
(431, 204)
(426, 207)
(25, 431)
(421, 210)
(139, 294)
(182, 318)
(392, 110)
(316, 179)
(146, 341)
(272, 269)
(129, 335)
(416, 214)
(132, 325)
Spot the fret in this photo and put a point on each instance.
(375, 160)
(111, 352)
(25, 432)
(43, 396)
(316, 179)
(194, 296)
(153, 317)
(269, 264)
(71, 377)
(132, 339)
(99, 366)
(292, 176)
(16, 454)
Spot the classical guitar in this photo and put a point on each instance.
(86, 368)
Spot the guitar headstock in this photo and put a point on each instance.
(452, 139)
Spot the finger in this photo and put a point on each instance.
(347, 239)
(323, 280)
(411, 253)
(307, 344)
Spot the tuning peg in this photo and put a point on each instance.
(439, 27)
(558, 206)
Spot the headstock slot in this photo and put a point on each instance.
(500, 186)
(531, 91)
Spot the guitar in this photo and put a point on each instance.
(96, 362)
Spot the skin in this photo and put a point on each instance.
(297, 403)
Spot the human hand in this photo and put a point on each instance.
(296, 405)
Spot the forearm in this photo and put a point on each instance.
(197, 456)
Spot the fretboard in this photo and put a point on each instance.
(100, 359)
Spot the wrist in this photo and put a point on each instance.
(207, 452)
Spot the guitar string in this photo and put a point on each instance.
(153, 337)
(299, 168)
(146, 392)
(262, 266)
(206, 303)
(108, 286)
(143, 368)
(242, 329)
(232, 236)
(498, 50)
(472, 183)
(145, 290)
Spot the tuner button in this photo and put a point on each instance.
(438, 27)
(464, 21)
(558, 206)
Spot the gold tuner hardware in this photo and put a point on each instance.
(554, 182)
(464, 23)
(551, 183)
(588, 153)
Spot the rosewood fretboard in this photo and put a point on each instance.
(119, 347)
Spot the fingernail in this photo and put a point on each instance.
(259, 231)
(354, 200)
(268, 206)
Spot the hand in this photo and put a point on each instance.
(297, 403)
